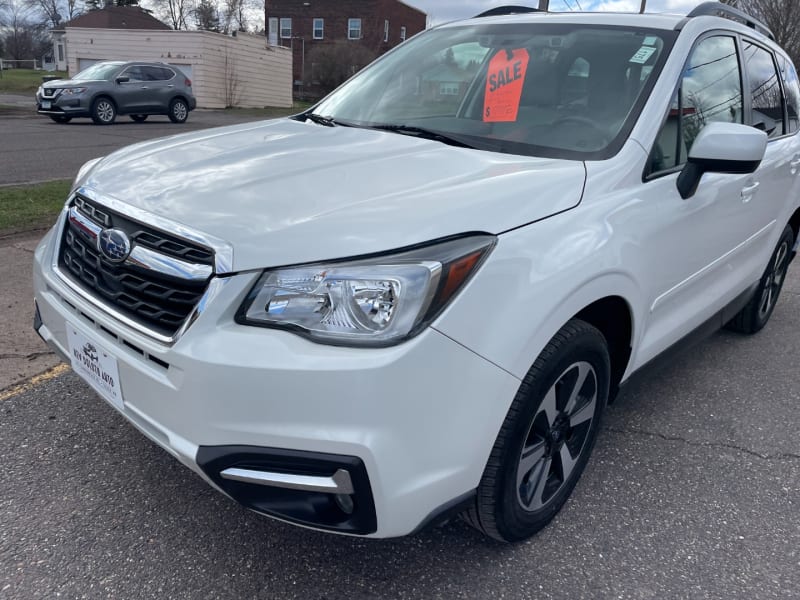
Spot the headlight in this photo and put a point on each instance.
(373, 302)
(73, 91)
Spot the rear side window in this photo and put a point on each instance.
(765, 90)
(792, 89)
(157, 73)
(710, 90)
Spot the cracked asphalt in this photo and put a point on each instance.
(693, 492)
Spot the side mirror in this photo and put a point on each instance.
(722, 148)
(123, 79)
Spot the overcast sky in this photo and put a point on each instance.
(440, 11)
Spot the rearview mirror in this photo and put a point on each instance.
(123, 79)
(722, 148)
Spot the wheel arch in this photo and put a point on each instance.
(107, 96)
(613, 317)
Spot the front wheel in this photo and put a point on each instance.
(755, 315)
(547, 436)
(178, 111)
(103, 111)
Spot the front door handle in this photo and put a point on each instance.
(144, 87)
(749, 190)
(171, 85)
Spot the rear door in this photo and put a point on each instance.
(160, 83)
(774, 178)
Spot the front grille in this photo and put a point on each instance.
(158, 301)
(49, 92)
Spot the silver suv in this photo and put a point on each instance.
(107, 89)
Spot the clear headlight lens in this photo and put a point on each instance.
(373, 302)
(73, 91)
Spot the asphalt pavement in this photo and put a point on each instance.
(34, 148)
(693, 492)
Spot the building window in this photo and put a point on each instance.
(319, 29)
(402, 34)
(386, 31)
(447, 88)
(60, 53)
(354, 29)
(272, 31)
(286, 29)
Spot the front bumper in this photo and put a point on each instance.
(420, 417)
(63, 105)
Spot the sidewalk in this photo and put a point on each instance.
(22, 353)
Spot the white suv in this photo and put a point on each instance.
(417, 298)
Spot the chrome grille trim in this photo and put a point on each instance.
(222, 259)
(223, 251)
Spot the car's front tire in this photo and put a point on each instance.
(103, 111)
(755, 315)
(138, 118)
(547, 436)
(178, 111)
(60, 118)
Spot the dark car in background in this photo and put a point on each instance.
(107, 89)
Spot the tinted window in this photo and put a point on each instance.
(710, 91)
(156, 73)
(765, 90)
(792, 89)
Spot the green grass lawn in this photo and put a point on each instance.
(31, 206)
(271, 112)
(24, 81)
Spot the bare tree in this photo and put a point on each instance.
(232, 82)
(332, 64)
(235, 14)
(48, 10)
(175, 13)
(781, 16)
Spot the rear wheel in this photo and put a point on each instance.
(60, 118)
(547, 437)
(103, 111)
(138, 118)
(178, 110)
(755, 315)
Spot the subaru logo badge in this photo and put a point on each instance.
(114, 245)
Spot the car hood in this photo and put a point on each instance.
(286, 192)
(59, 83)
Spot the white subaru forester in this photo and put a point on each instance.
(416, 298)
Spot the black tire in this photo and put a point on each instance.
(178, 110)
(757, 312)
(60, 118)
(138, 118)
(513, 500)
(104, 112)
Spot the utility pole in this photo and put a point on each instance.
(641, 7)
(544, 5)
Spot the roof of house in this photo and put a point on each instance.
(117, 17)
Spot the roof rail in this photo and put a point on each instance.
(507, 10)
(718, 9)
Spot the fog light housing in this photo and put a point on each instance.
(345, 503)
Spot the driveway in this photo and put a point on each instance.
(34, 148)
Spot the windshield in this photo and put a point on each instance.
(98, 71)
(558, 90)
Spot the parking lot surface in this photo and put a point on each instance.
(34, 148)
(693, 492)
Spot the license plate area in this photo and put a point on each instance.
(95, 365)
(46, 104)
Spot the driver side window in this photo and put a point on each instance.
(710, 90)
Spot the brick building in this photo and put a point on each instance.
(302, 25)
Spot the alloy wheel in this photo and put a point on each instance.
(772, 286)
(557, 436)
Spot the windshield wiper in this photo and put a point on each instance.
(320, 119)
(427, 134)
